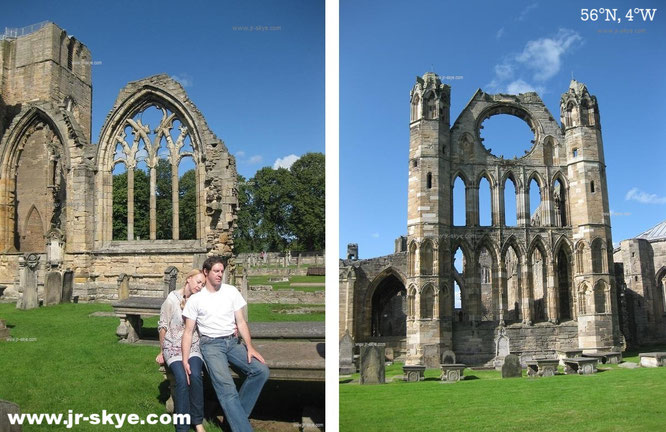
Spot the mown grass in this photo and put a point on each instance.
(70, 360)
(264, 280)
(614, 399)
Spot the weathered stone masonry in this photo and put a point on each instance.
(56, 185)
(548, 279)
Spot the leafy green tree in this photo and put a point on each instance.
(307, 220)
(119, 215)
(163, 202)
(187, 206)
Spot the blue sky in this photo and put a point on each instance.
(261, 91)
(499, 47)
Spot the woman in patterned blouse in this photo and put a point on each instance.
(188, 399)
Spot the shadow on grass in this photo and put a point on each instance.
(346, 381)
(470, 377)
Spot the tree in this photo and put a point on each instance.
(163, 201)
(309, 208)
(282, 209)
(187, 207)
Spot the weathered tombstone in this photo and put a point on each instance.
(170, 278)
(511, 367)
(54, 247)
(347, 354)
(501, 347)
(448, 357)
(67, 286)
(123, 286)
(52, 288)
(431, 356)
(372, 363)
(28, 265)
(4, 331)
(389, 355)
(6, 409)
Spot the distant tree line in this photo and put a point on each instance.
(283, 209)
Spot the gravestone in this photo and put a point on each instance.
(67, 287)
(501, 348)
(123, 286)
(372, 363)
(448, 357)
(28, 265)
(389, 355)
(511, 367)
(170, 278)
(347, 354)
(8, 408)
(52, 288)
(4, 331)
(431, 356)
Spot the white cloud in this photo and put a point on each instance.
(543, 56)
(526, 11)
(540, 60)
(500, 33)
(285, 162)
(240, 154)
(504, 71)
(374, 235)
(519, 86)
(184, 79)
(255, 159)
(636, 194)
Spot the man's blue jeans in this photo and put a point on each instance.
(218, 354)
(188, 399)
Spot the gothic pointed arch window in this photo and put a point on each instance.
(600, 297)
(416, 107)
(427, 258)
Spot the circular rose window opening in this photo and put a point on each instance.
(505, 135)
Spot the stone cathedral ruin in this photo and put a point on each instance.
(58, 216)
(544, 285)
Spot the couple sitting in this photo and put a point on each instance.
(216, 309)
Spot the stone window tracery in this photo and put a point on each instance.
(153, 154)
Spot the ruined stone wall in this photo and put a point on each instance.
(45, 112)
(48, 65)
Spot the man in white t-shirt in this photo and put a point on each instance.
(217, 310)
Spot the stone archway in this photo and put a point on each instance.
(389, 308)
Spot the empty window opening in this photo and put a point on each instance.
(510, 209)
(485, 203)
(459, 207)
(429, 181)
(560, 203)
(575, 152)
(506, 136)
(535, 203)
(592, 186)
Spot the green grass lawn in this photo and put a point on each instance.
(70, 360)
(614, 399)
(263, 280)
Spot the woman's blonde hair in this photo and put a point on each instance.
(192, 273)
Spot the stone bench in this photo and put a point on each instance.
(452, 372)
(612, 357)
(580, 365)
(414, 373)
(542, 367)
(653, 359)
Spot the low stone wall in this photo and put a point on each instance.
(265, 294)
(282, 271)
(257, 259)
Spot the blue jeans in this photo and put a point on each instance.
(237, 405)
(188, 399)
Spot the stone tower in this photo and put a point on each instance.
(551, 267)
(590, 217)
(428, 214)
